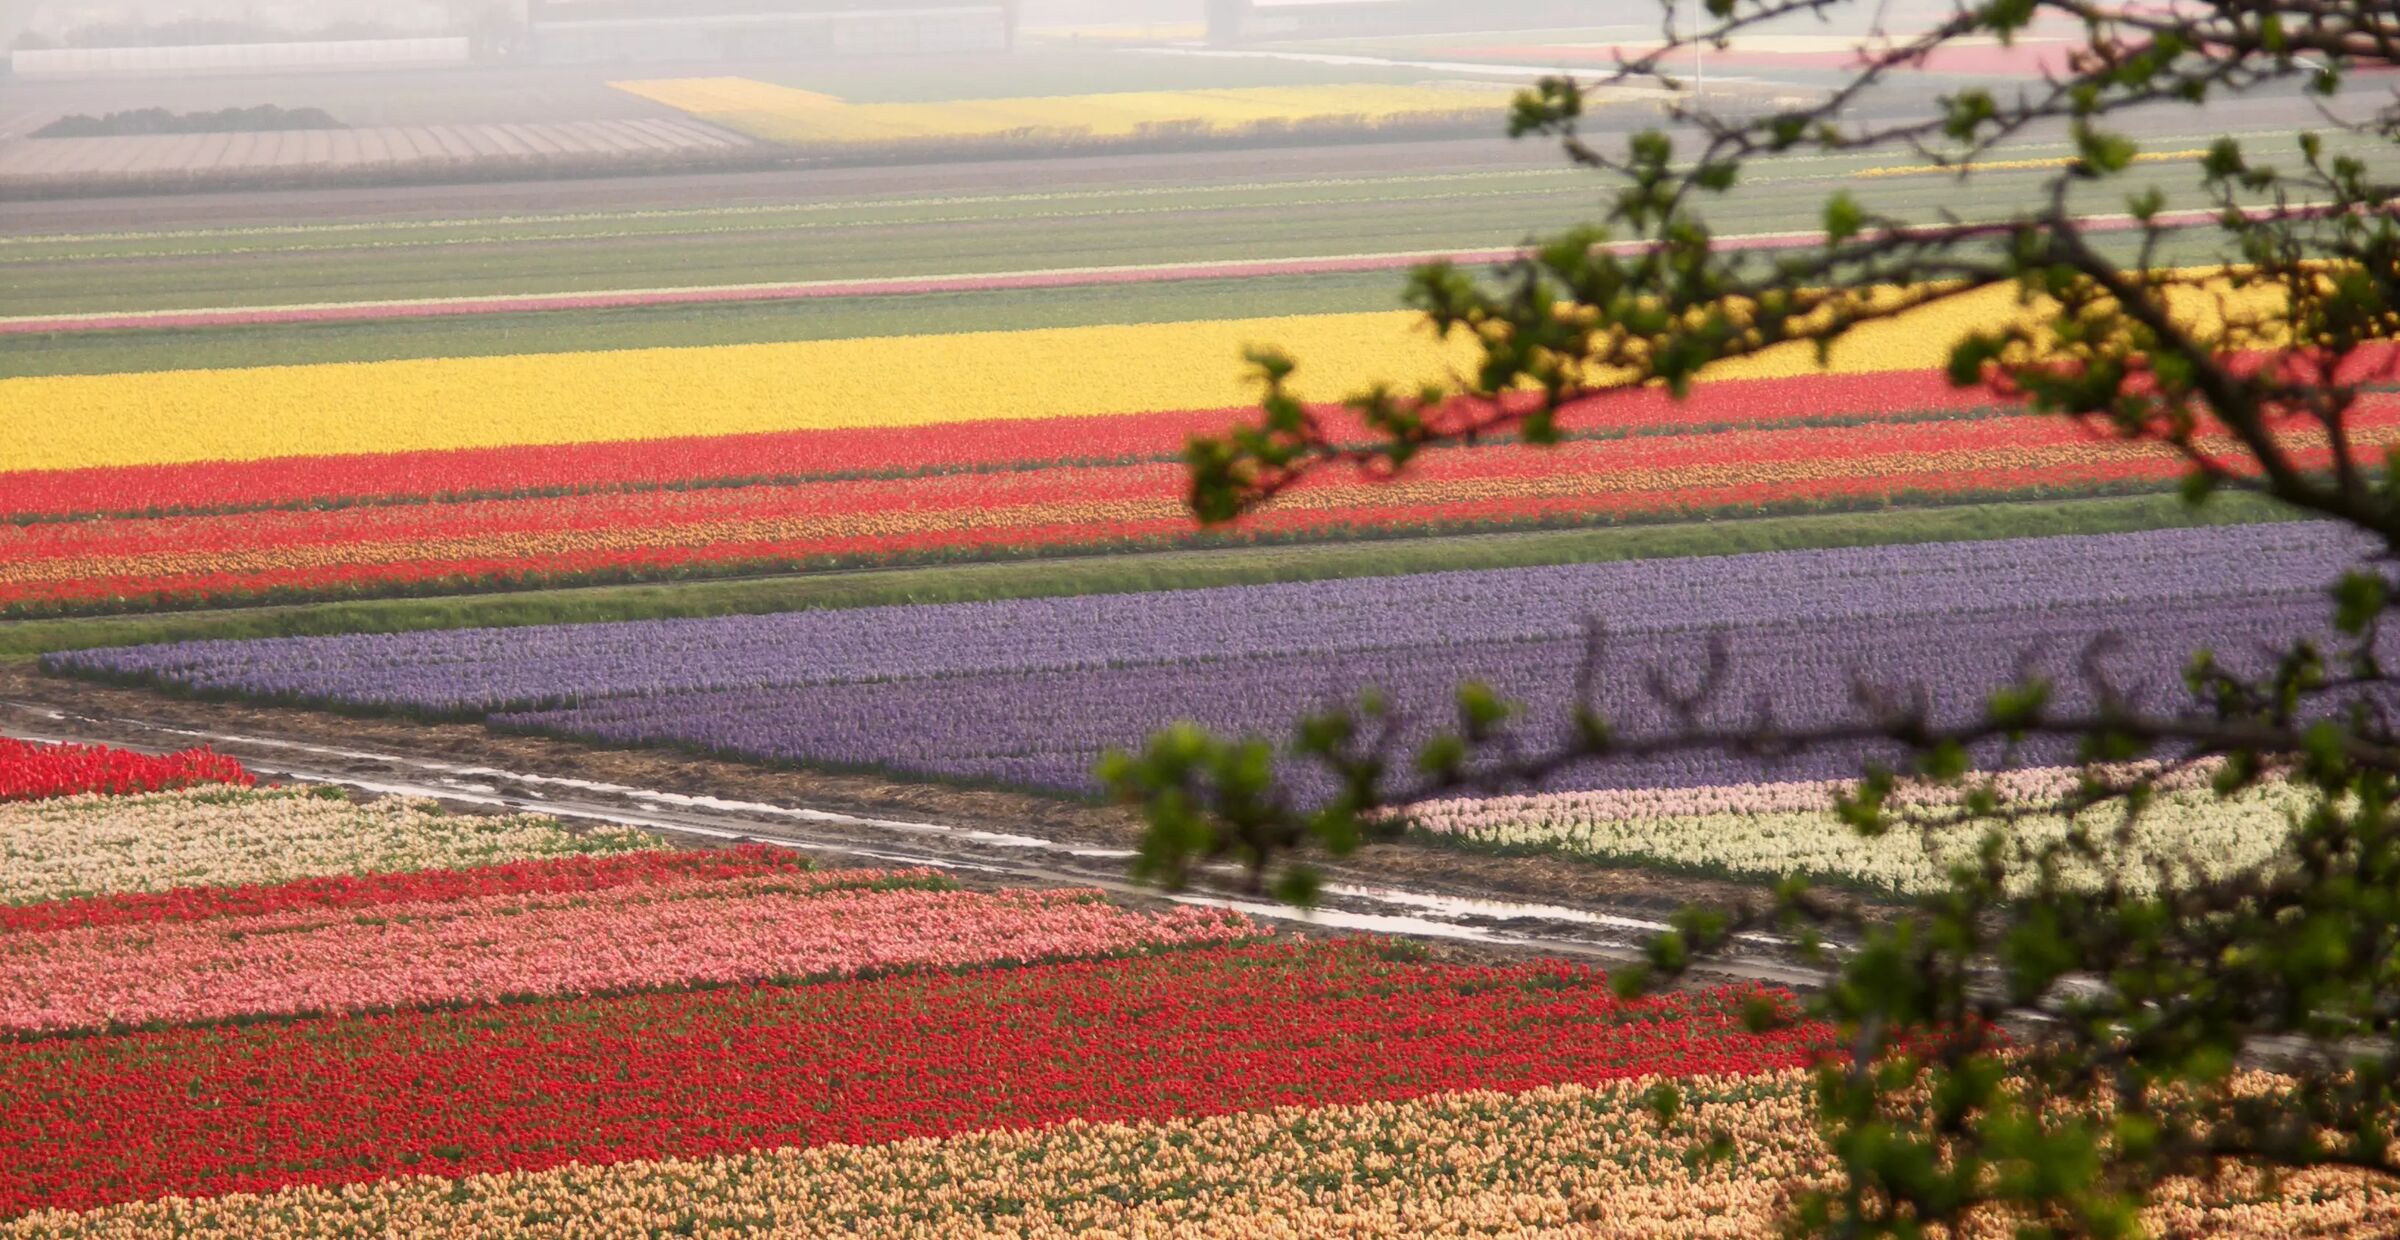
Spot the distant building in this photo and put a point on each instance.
(1233, 21)
(633, 31)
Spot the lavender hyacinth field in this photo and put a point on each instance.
(943, 691)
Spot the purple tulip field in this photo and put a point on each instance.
(946, 691)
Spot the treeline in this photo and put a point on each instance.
(261, 119)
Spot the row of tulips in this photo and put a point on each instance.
(1839, 598)
(33, 772)
(1014, 511)
(94, 1121)
(782, 926)
(824, 455)
(1588, 1161)
(2017, 787)
(74, 848)
(1705, 466)
(76, 422)
(2182, 834)
(550, 876)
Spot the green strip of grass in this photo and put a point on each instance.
(1118, 574)
(569, 331)
(572, 331)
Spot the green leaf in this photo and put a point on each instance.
(1970, 356)
(1481, 709)
(1665, 1102)
(1299, 886)
(2359, 600)
(2018, 707)
(1843, 218)
(2103, 154)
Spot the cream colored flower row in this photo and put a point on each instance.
(212, 837)
(1769, 833)
(1565, 1161)
(2029, 784)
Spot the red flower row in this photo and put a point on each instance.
(498, 543)
(549, 875)
(226, 1109)
(324, 481)
(31, 772)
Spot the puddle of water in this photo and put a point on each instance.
(629, 792)
(1459, 907)
(1388, 923)
(1455, 907)
(1436, 916)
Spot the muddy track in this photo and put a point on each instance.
(1505, 905)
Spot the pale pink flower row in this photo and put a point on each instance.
(489, 948)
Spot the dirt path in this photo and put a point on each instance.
(1509, 904)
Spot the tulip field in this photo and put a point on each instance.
(938, 692)
(832, 521)
(502, 1027)
(437, 996)
(177, 489)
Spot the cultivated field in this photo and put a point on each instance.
(651, 644)
(122, 164)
